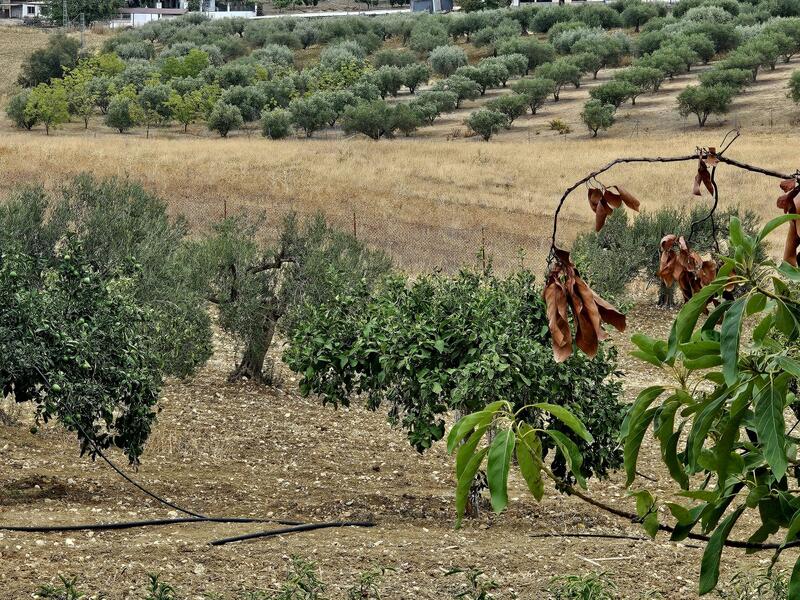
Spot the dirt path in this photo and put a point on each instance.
(239, 450)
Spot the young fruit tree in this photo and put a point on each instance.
(97, 307)
(720, 418)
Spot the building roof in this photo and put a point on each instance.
(153, 11)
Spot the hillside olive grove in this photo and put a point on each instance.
(232, 73)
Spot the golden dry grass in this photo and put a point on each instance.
(423, 200)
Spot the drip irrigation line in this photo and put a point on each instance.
(294, 529)
(134, 524)
(607, 536)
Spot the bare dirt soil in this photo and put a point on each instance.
(241, 450)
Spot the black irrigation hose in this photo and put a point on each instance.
(134, 524)
(295, 529)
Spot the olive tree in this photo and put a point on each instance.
(224, 118)
(561, 73)
(614, 92)
(446, 59)
(510, 105)
(597, 115)
(261, 288)
(15, 109)
(704, 100)
(486, 122)
(535, 91)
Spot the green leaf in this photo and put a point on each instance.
(729, 340)
(789, 271)
(500, 455)
(571, 454)
(774, 224)
(789, 365)
(467, 423)
(735, 232)
(686, 319)
(467, 449)
(646, 357)
(702, 424)
(756, 304)
(704, 362)
(770, 424)
(699, 349)
(566, 417)
(761, 330)
(529, 458)
(794, 528)
(634, 427)
(465, 483)
(645, 510)
(439, 345)
(709, 566)
(794, 581)
(724, 448)
(644, 342)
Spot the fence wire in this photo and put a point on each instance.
(414, 247)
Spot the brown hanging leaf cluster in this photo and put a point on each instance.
(789, 203)
(565, 291)
(707, 158)
(604, 200)
(686, 267)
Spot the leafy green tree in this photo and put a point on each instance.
(445, 60)
(426, 109)
(702, 101)
(427, 35)
(742, 58)
(638, 13)
(47, 104)
(123, 111)
(224, 118)
(561, 72)
(154, 103)
(406, 119)
(93, 10)
(16, 111)
(666, 60)
(96, 308)
(464, 88)
(645, 79)
(393, 58)
(388, 80)
(736, 79)
(192, 106)
(465, 342)
(511, 105)
(607, 49)
(415, 75)
(597, 115)
(190, 65)
(700, 44)
(374, 119)
(536, 52)
(50, 62)
(445, 101)
(276, 124)
(311, 113)
(615, 92)
(535, 91)
(81, 95)
(794, 86)
(765, 48)
(486, 122)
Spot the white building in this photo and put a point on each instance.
(20, 10)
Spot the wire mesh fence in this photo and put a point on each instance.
(415, 247)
